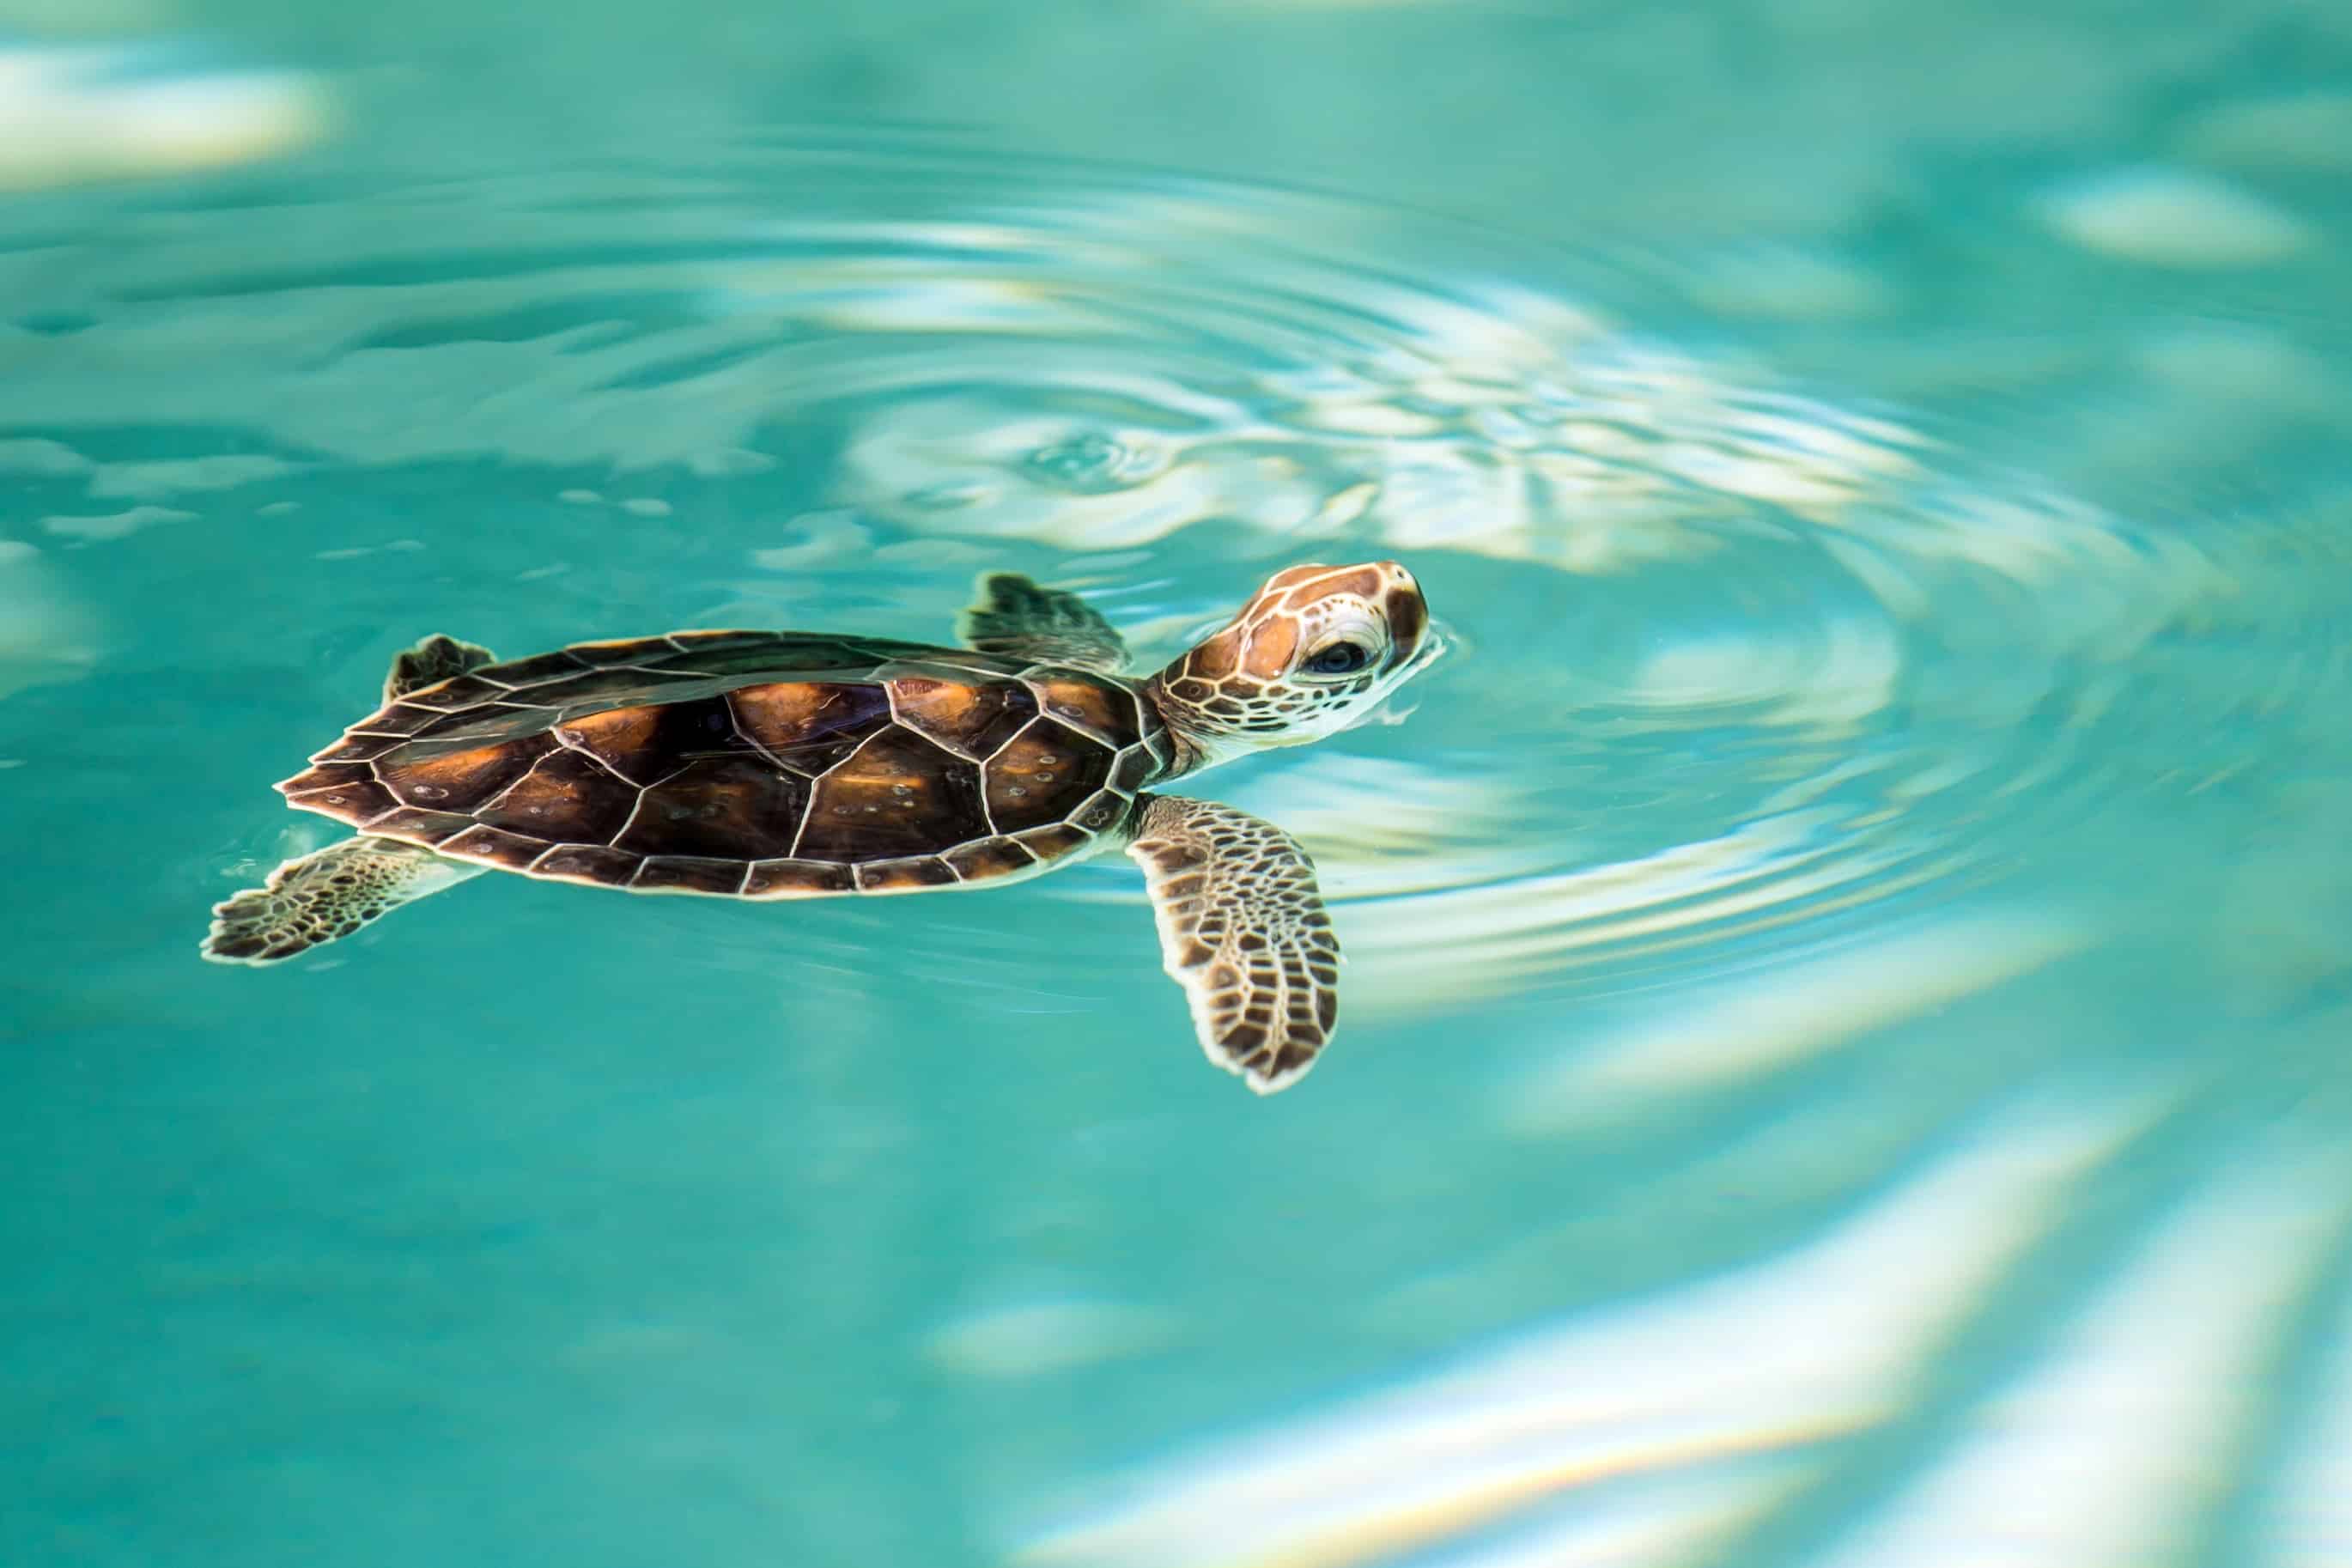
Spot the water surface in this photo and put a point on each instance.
(1846, 988)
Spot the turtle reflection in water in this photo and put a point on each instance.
(751, 764)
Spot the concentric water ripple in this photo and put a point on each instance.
(1700, 597)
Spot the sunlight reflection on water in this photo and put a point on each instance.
(1779, 1360)
(70, 115)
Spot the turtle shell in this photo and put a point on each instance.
(748, 765)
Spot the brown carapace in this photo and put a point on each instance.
(771, 766)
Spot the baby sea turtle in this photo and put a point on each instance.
(753, 764)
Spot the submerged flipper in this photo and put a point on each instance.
(434, 660)
(326, 895)
(1015, 616)
(1242, 930)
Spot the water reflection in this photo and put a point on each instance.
(71, 115)
(1714, 1035)
(1731, 1402)
(1778, 722)
(1777, 1361)
(1870, 671)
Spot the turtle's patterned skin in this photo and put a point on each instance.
(749, 764)
(768, 766)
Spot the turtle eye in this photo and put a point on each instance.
(1341, 658)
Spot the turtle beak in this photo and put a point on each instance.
(1437, 639)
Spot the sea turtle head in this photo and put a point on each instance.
(1316, 649)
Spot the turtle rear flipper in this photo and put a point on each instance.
(431, 661)
(323, 896)
(1242, 930)
(1014, 615)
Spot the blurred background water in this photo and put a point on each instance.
(1845, 1059)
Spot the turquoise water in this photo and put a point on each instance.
(1845, 1050)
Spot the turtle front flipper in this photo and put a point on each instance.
(1014, 615)
(1242, 930)
(431, 661)
(325, 895)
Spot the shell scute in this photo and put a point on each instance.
(503, 719)
(896, 795)
(327, 776)
(429, 829)
(1043, 774)
(622, 739)
(567, 797)
(737, 809)
(593, 689)
(788, 654)
(970, 718)
(450, 780)
(1135, 768)
(809, 725)
(595, 863)
(989, 858)
(1100, 812)
(1053, 841)
(462, 691)
(621, 650)
(356, 747)
(535, 669)
(356, 800)
(689, 874)
(494, 847)
(647, 743)
(957, 664)
(790, 878)
(904, 876)
(400, 718)
(1105, 712)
